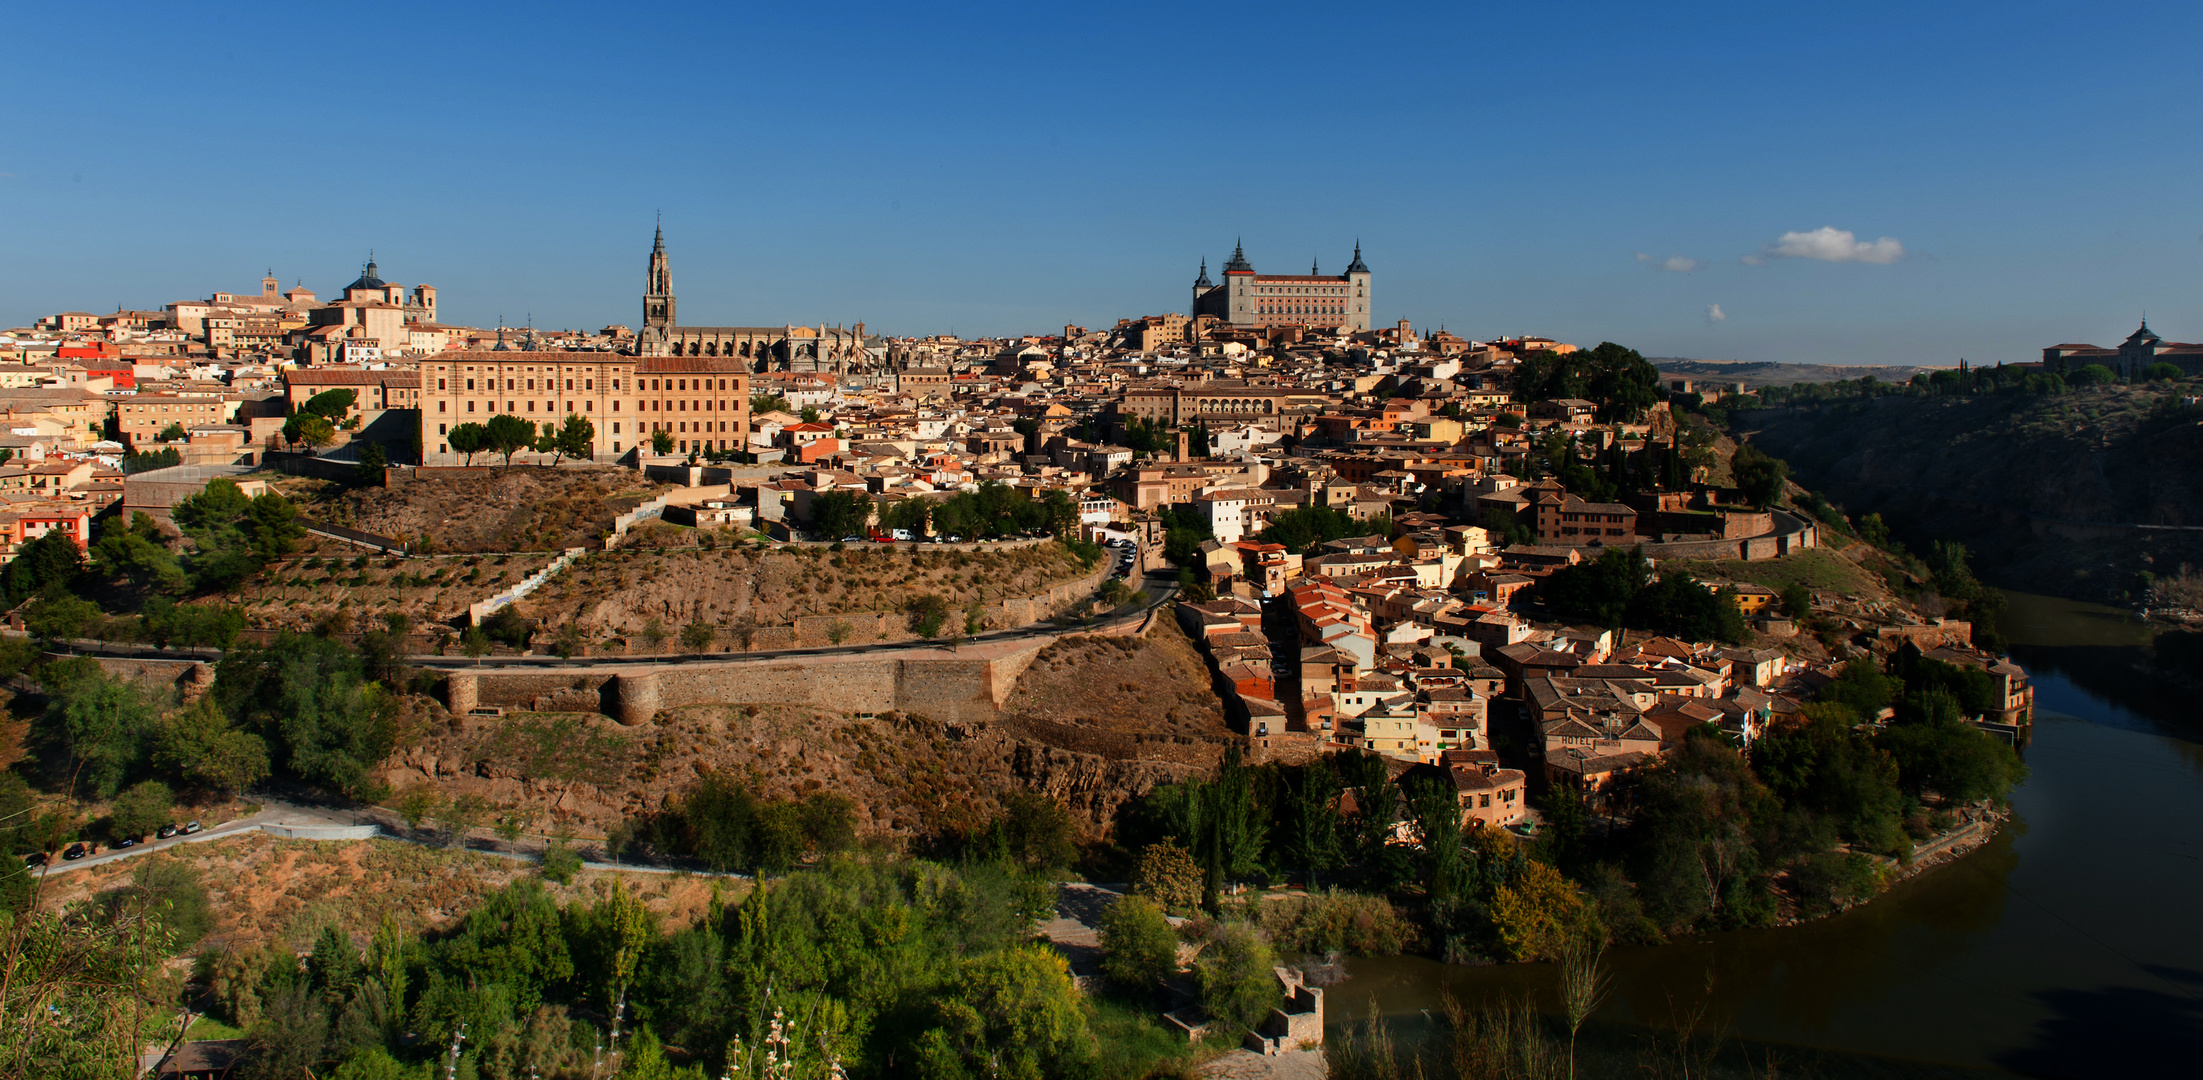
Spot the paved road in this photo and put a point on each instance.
(272, 812)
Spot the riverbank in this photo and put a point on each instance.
(2057, 946)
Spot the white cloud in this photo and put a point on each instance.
(1831, 244)
(1673, 264)
(1714, 313)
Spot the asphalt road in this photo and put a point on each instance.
(272, 812)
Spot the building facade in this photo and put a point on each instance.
(701, 403)
(1313, 300)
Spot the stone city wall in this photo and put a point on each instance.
(943, 684)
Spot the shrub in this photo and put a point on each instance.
(1337, 921)
(1139, 948)
(1235, 977)
(561, 863)
(1169, 876)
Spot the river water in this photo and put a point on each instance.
(2070, 946)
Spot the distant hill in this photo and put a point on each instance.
(1764, 373)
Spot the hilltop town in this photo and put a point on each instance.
(736, 598)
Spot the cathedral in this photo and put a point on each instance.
(825, 349)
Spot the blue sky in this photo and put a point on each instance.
(2010, 175)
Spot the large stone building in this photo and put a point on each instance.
(1314, 300)
(759, 348)
(2135, 355)
(701, 403)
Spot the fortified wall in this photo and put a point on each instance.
(961, 685)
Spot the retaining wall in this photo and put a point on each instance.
(946, 685)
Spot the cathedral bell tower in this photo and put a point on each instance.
(658, 303)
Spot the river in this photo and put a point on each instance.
(2069, 946)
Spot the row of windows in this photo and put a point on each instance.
(587, 405)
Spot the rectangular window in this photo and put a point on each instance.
(569, 384)
(440, 430)
(615, 431)
(615, 405)
(470, 406)
(588, 384)
(588, 405)
(531, 404)
(439, 406)
(439, 384)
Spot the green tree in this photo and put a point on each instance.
(315, 431)
(102, 723)
(765, 403)
(469, 438)
(697, 636)
(1012, 1013)
(1539, 914)
(576, 438)
(507, 435)
(57, 620)
(138, 552)
(172, 433)
(1235, 975)
(661, 442)
(325, 721)
(139, 810)
(368, 472)
(1759, 478)
(330, 404)
(199, 744)
(1168, 875)
(49, 563)
(839, 513)
(1139, 946)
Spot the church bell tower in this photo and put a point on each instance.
(658, 303)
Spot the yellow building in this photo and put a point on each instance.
(701, 402)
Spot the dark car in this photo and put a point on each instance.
(36, 858)
(165, 832)
(127, 841)
(76, 851)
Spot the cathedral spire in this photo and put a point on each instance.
(1203, 281)
(1357, 266)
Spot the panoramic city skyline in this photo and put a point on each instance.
(1884, 187)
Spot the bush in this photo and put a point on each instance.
(1169, 876)
(1235, 977)
(1334, 921)
(140, 810)
(1830, 881)
(1139, 948)
(561, 863)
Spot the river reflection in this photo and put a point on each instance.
(2068, 946)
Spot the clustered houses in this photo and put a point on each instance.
(1276, 395)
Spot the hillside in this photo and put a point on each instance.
(1767, 373)
(2047, 491)
(1092, 722)
(613, 594)
(269, 892)
(524, 508)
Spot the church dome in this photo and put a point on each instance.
(368, 278)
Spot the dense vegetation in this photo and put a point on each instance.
(1617, 589)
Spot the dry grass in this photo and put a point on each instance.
(265, 891)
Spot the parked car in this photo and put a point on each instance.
(127, 841)
(36, 858)
(166, 831)
(191, 828)
(76, 851)
(852, 539)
